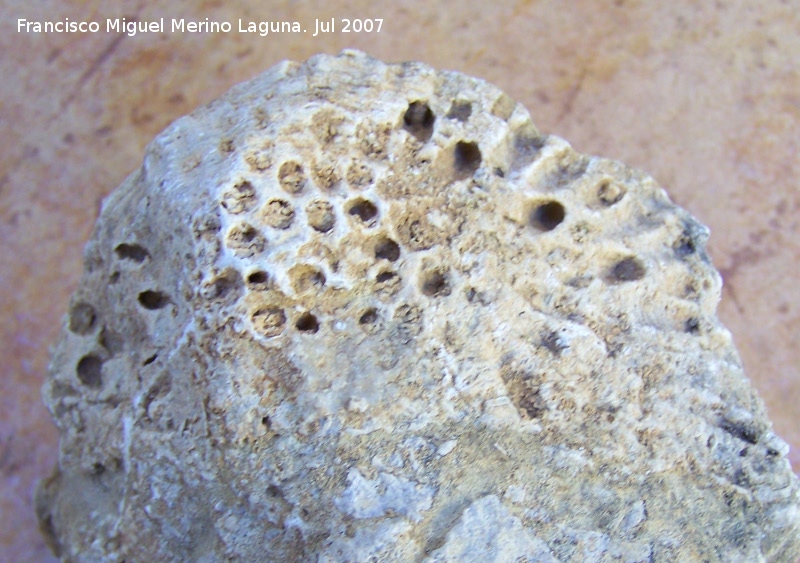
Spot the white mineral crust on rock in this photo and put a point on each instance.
(354, 311)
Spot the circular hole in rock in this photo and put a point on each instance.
(628, 269)
(89, 371)
(307, 323)
(368, 317)
(418, 120)
(387, 249)
(258, 277)
(134, 252)
(363, 209)
(385, 276)
(152, 300)
(547, 216)
(435, 284)
(82, 318)
(467, 158)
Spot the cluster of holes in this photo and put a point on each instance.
(546, 216)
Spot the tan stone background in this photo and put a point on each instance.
(705, 96)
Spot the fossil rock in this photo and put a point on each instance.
(354, 310)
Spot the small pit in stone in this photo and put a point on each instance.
(610, 193)
(89, 371)
(363, 209)
(307, 323)
(387, 249)
(307, 278)
(320, 215)
(460, 110)
(546, 216)
(368, 317)
(259, 277)
(385, 276)
(435, 284)
(628, 269)
(291, 177)
(82, 318)
(418, 120)
(268, 321)
(467, 159)
(131, 251)
(152, 300)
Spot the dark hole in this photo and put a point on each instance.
(257, 277)
(133, 252)
(89, 371)
(384, 276)
(746, 432)
(307, 323)
(274, 491)
(113, 278)
(266, 421)
(552, 342)
(467, 158)
(368, 317)
(98, 469)
(685, 246)
(150, 360)
(547, 216)
(435, 284)
(152, 299)
(388, 249)
(418, 120)
(628, 269)
(81, 318)
(460, 111)
(364, 209)
(692, 325)
(248, 234)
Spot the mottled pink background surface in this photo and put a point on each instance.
(704, 96)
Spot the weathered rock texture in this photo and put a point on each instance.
(355, 311)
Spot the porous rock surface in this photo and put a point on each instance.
(364, 312)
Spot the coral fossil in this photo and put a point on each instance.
(354, 311)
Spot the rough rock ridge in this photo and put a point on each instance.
(354, 311)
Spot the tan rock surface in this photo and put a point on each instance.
(703, 97)
(482, 330)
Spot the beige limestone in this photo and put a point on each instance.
(357, 310)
